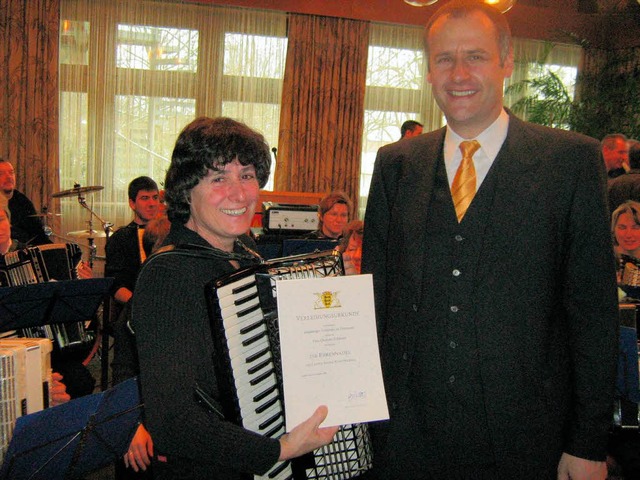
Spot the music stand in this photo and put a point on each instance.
(75, 438)
(299, 246)
(46, 303)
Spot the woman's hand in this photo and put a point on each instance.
(57, 390)
(140, 450)
(84, 271)
(307, 436)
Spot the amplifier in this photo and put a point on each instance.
(289, 218)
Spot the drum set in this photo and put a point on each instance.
(89, 234)
(78, 338)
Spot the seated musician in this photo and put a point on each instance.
(351, 247)
(625, 227)
(57, 390)
(211, 190)
(26, 227)
(124, 252)
(333, 216)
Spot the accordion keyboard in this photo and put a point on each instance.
(245, 331)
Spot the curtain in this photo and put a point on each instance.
(321, 120)
(29, 99)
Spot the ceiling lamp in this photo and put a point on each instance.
(502, 5)
(422, 3)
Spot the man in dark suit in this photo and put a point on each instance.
(498, 324)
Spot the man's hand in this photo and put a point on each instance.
(575, 468)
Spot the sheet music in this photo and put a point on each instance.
(329, 350)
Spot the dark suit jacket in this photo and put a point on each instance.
(544, 295)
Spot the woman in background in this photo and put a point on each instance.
(625, 226)
(333, 216)
(351, 247)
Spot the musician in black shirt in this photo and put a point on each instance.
(26, 227)
(212, 186)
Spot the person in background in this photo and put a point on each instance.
(625, 228)
(498, 363)
(26, 227)
(124, 249)
(626, 187)
(333, 215)
(57, 389)
(615, 152)
(351, 247)
(211, 189)
(410, 128)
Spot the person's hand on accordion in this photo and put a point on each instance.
(57, 390)
(307, 436)
(84, 271)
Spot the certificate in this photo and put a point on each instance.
(329, 350)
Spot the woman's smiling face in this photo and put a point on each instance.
(627, 233)
(223, 204)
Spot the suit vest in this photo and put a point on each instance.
(445, 377)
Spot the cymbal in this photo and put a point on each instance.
(87, 233)
(41, 215)
(76, 191)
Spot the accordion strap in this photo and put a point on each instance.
(201, 251)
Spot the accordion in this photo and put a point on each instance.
(42, 263)
(244, 321)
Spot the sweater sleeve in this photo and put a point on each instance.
(175, 351)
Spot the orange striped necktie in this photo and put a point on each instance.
(463, 188)
(143, 254)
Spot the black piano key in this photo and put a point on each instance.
(248, 298)
(279, 468)
(252, 308)
(259, 366)
(249, 328)
(241, 288)
(261, 378)
(267, 405)
(264, 394)
(249, 341)
(257, 355)
(275, 430)
(269, 421)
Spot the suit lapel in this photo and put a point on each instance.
(417, 184)
(517, 180)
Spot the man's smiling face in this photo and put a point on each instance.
(466, 72)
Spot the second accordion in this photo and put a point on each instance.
(244, 321)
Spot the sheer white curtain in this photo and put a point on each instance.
(133, 74)
(396, 91)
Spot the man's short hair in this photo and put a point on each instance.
(609, 141)
(462, 8)
(141, 183)
(409, 126)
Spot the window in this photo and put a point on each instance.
(132, 75)
(396, 91)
